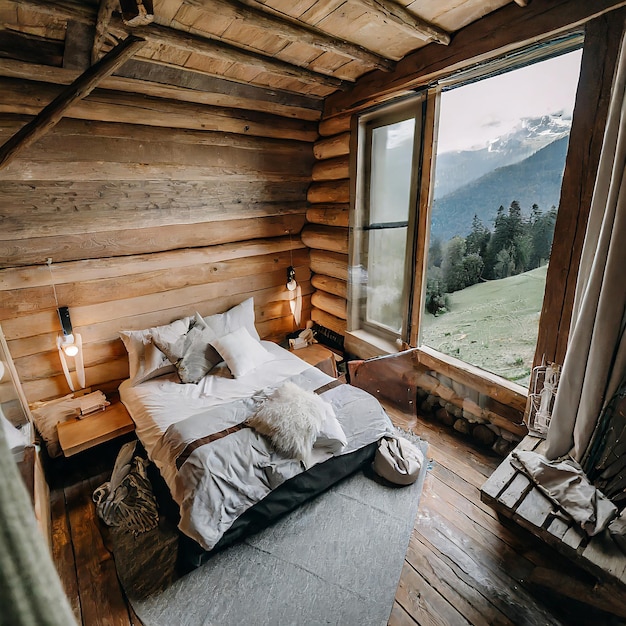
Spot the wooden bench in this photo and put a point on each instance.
(512, 494)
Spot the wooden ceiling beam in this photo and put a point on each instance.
(105, 11)
(70, 9)
(498, 33)
(285, 26)
(150, 78)
(225, 51)
(408, 22)
(214, 48)
(77, 48)
(50, 115)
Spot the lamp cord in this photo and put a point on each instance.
(54, 289)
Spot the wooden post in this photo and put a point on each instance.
(80, 88)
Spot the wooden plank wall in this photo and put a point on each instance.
(145, 221)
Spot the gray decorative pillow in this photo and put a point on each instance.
(193, 354)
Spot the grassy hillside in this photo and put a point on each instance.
(492, 325)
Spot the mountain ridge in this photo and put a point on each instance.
(458, 168)
(535, 179)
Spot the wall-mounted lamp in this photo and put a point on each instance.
(295, 296)
(291, 278)
(70, 344)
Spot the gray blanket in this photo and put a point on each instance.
(219, 480)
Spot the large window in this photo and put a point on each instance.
(501, 137)
(382, 277)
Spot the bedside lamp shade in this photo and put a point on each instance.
(70, 344)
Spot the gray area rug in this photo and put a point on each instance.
(335, 560)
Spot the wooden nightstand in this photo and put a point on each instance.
(320, 357)
(80, 434)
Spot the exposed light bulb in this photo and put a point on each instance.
(68, 344)
(70, 349)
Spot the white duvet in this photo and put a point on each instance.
(219, 481)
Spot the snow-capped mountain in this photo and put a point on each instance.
(455, 169)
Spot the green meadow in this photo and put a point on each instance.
(492, 325)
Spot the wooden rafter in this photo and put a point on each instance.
(70, 9)
(290, 29)
(162, 81)
(485, 39)
(225, 51)
(214, 48)
(50, 115)
(407, 21)
(102, 24)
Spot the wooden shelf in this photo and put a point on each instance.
(81, 434)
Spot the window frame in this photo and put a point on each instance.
(411, 107)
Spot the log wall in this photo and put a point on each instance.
(328, 219)
(146, 220)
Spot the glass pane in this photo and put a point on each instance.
(385, 289)
(389, 197)
(501, 153)
(390, 182)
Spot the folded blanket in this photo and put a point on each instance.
(564, 482)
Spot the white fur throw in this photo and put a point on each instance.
(291, 418)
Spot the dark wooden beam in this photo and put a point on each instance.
(153, 79)
(188, 79)
(286, 27)
(495, 34)
(81, 87)
(25, 47)
(189, 42)
(226, 52)
(408, 22)
(78, 36)
(105, 11)
(71, 9)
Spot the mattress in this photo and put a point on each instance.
(219, 481)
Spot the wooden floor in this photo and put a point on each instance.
(463, 565)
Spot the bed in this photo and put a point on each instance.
(226, 477)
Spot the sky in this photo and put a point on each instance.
(473, 115)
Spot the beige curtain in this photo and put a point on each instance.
(596, 356)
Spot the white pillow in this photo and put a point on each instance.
(145, 360)
(241, 352)
(236, 317)
(192, 353)
(291, 418)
